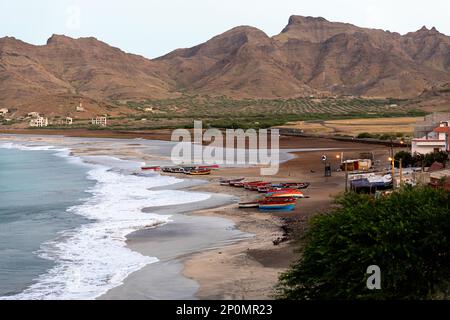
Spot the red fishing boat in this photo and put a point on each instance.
(247, 185)
(153, 168)
(255, 186)
(211, 167)
(286, 193)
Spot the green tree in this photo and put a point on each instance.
(441, 157)
(406, 234)
(405, 156)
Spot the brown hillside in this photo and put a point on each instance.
(311, 56)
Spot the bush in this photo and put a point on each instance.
(405, 234)
(430, 158)
(365, 135)
(406, 157)
(387, 137)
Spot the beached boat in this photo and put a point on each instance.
(211, 167)
(276, 204)
(282, 186)
(253, 204)
(247, 185)
(172, 169)
(237, 184)
(227, 182)
(295, 185)
(186, 170)
(285, 193)
(198, 172)
(152, 168)
(255, 186)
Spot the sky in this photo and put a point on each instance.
(155, 27)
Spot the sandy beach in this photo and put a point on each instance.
(212, 249)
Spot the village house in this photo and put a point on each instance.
(33, 114)
(65, 121)
(39, 122)
(99, 121)
(68, 121)
(80, 108)
(3, 111)
(434, 141)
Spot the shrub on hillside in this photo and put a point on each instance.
(406, 234)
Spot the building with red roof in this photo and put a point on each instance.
(434, 141)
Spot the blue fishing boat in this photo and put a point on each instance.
(280, 207)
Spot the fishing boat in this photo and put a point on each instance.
(152, 168)
(295, 185)
(255, 186)
(173, 169)
(247, 185)
(237, 184)
(227, 182)
(211, 167)
(199, 172)
(276, 204)
(285, 193)
(253, 204)
(187, 170)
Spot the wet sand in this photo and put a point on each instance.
(172, 244)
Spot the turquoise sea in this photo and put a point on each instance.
(64, 221)
(36, 189)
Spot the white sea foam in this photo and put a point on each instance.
(93, 258)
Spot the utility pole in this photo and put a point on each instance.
(341, 157)
(401, 172)
(393, 171)
(346, 178)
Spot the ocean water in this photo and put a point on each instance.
(63, 223)
(36, 188)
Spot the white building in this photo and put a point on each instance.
(39, 122)
(3, 111)
(65, 121)
(434, 141)
(80, 108)
(99, 121)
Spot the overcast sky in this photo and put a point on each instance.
(155, 27)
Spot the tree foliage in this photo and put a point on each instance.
(419, 160)
(407, 234)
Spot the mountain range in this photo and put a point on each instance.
(310, 56)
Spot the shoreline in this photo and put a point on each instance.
(245, 268)
(172, 244)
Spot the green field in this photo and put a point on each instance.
(223, 112)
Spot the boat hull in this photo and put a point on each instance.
(249, 205)
(277, 207)
(150, 168)
(199, 173)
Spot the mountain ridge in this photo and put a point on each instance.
(310, 56)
